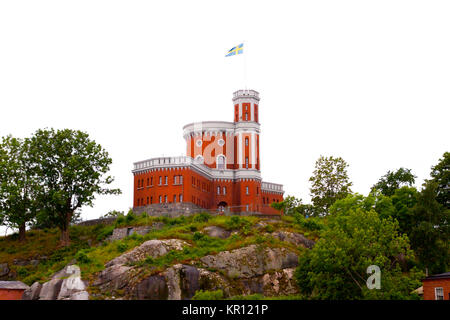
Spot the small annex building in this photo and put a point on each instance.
(12, 290)
(437, 287)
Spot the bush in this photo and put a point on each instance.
(202, 217)
(122, 247)
(269, 228)
(82, 257)
(237, 222)
(198, 236)
(120, 220)
(130, 217)
(107, 231)
(208, 295)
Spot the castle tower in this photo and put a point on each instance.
(246, 119)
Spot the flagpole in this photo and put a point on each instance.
(245, 65)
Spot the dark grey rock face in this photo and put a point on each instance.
(189, 281)
(152, 288)
(4, 269)
(33, 292)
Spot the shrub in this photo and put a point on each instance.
(120, 220)
(198, 236)
(130, 217)
(202, 217)
(82, 257)
(208, 295)
(105, 232)
(122, 247)
(269, 228)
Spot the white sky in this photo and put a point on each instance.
(365, 80)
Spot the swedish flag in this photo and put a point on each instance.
(236, 50)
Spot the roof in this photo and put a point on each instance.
(445, 275)
(13, 285)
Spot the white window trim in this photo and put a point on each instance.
(436, 294)
(224, 161)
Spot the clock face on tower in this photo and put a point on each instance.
(221, 142)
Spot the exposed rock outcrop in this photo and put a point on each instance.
(294, 238)
(251, 261)
(4, 269)
(150, 248)
(118, 275)
(66, 284)
(32, 293)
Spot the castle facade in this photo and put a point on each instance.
(221, 169)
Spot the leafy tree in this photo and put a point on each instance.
(355, 238)
(17, 185)
(392, 181)
(288, 205)
(440, 173)
(330, 182)
(71, 168)
(292, 206)
(404, 200)
(430, 231)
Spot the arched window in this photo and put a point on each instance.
(221, 162)
(246, 141)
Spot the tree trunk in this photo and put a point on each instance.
(22, 232)
(65, 238)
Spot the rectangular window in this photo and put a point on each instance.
(224, 190)
(165, 180)
(246, 207)
(151, 181)
(160, 180)
(151, 200)
(160, 199)
(439, 293)
(174, 198)
(246, 162)
(246, 190)
(175, 179)
(165, 198)
(181, 179)
(246, 141)
(181, 198)
(218, 190)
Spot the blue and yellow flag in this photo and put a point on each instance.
(236, 50)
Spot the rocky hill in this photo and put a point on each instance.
(200, 256)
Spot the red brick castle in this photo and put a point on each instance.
(221, 169)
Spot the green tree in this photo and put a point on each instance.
(330, 182)
(392, 181)
(440, 173)
(292, 206)
(355, 238)
(72, 170)
(17, 185)
(430, 231)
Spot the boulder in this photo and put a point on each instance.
(251, 261)
(113, 278)
(72, 285)
(33, 292)
(218, 232)
(50, 289)
(65, 284)
(294, 238)
(4, 270)
(182, 281)
(151, 248)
